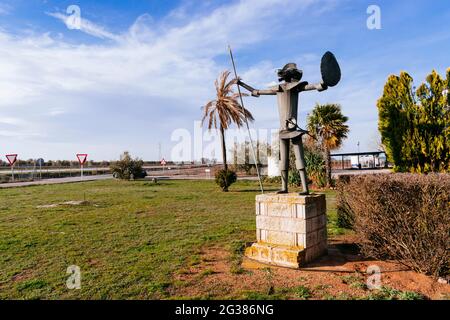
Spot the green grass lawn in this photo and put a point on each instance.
(128, 238)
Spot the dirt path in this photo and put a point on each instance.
(340, 275)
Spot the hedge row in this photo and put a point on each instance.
(400, 216)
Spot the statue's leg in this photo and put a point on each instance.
(300, 163)
(284, 165)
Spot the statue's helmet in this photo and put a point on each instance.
(289, 73)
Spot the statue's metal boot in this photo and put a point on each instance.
(284, 182)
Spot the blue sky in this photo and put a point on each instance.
(137, 70)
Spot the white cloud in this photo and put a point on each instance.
(11, 121)
(86, 26)
(57, 112)
(134, 89)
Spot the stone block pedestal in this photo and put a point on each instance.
(291, 229)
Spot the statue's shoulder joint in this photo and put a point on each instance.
(299, 86)
(276, 88)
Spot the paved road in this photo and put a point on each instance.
(200, 177)
(22, 170)
(55, 181)
(336, 173)
(175, 177)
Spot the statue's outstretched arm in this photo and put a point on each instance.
(316, 86)
(256, 92)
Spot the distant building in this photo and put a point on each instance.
(359, 160)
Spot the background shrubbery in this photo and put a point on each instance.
(225, 178)
(400, 216)
(127, 168)
(315, 166)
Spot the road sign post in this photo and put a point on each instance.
(82, 157)
(12, 158)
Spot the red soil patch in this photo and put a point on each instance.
(341, 275)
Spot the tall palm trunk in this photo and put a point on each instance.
(224, 150)
(224, 155)
(327, 156)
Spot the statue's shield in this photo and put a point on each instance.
(329, 67)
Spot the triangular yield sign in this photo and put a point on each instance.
(11, 158)
(82, 157)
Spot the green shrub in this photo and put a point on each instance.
(415, 123)
(127, 168)
(225, 178)
(315, 167)
(294, 178)
(388, 293)
(402, 216)
(302, 292)
(410, 295)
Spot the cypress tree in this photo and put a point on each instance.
(415, 124)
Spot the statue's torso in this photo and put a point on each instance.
(287, 104)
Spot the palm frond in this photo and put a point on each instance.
(328, 125)
(225, 108)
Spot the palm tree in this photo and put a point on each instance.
(225, 110)
(327, 124)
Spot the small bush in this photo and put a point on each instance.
(294, 178)
(127, 168)
(388, 293)
(402, 216)
(225, 178)
(302, 292)
(315, 167)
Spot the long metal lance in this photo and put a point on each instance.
(246, 120)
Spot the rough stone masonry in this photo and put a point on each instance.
(291, 229)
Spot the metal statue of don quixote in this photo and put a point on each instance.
(291, 227)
